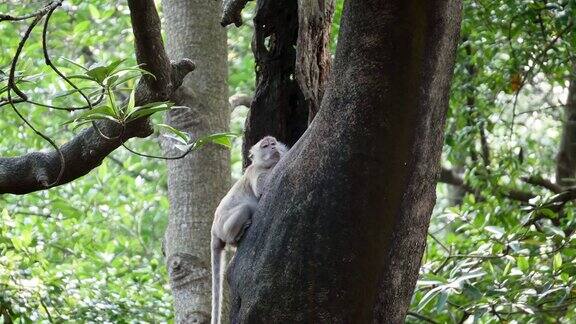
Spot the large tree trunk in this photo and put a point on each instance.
(290, 46)
(340, 235)
(198, 182)
(566, 159)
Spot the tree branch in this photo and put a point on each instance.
(37, 170)
(422, 317)
(450, 177)
(563, 196)
(50, 6)
(232, 12)
(240, 99)
(544, 183)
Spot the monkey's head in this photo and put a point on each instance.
(267, 152)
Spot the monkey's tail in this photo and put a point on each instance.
(217, 278)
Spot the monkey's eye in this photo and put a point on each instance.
(265, 146)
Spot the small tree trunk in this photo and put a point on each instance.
(198, 182)
(566, 159)
(290, 46)
(339, 236)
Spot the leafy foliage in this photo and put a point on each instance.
(491, 258)
(90, 250)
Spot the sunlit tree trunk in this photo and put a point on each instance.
(339, 236)
(198, 182)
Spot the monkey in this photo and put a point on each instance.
(234, 213)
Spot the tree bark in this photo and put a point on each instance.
(339, 236)
(198, 182)
(290, 46)
(312, 53)
(566, 159)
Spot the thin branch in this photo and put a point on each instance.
(52, 66)
(485, 146)
(450, 177)
(421, 317)
(42, 179)
(161, 157)
(544, 183)
(46, 310)
(50, 6)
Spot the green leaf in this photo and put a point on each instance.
(123, 80)
(472, 292)
(181, 136)
(507, 269)
(224, 139)
(557, 261)
(130, 107)
(111, 80)
(81, 27)
(136, 69)
(441, 303)
(549, 228)
(99, 73)
(428, 297)
(523, 263)
(498, 231)
(74, 63)
(100, 112)
(94, 11)
(148, 110)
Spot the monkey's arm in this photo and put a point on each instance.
(261, 184)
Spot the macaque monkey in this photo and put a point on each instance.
(234, 213)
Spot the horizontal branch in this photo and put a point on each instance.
(544, 183)
(448, 176)
(563, 196)
(37, 170)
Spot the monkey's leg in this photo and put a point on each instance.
(239, 220)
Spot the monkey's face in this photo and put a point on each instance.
(266, 152)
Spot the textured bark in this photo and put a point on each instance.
(566, 159)
(340, 235)
(40, 170)
(292, 60)
(312, 53)
(232, 12)
(198, 182)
